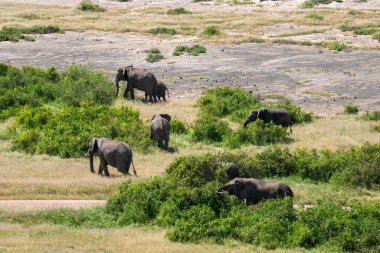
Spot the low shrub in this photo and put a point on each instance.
(375, 116)
(351, 109)
(178, 127)
(65, 132)
(90, 6)
(312, 3)
(367, 31)
(194, 50)
(15, 34)
(210, 129)
(375, 128)
(211, 31)
(314, 16)
(162, 30)
(154, 55)
(178, 11)
(81, 86)
(337, 46)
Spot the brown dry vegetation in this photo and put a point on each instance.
(235, 27)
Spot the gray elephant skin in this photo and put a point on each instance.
(232, 170)
(118, 154)
(138, 78)
(160, 129)
(252, 190)
(161, 90)
(278, 116)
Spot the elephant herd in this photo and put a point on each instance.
(118, 154)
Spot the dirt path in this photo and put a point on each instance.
(25, 205)
(315, 78)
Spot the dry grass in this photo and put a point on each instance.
(57, 238)
(235, 27)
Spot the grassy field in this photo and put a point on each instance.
(49, 177)
(233, 27)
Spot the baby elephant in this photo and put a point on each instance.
(232, 170)
(118, 154)
(160, 128)
(253, 190)
(161, 90)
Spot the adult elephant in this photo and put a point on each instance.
(138, 78)
(252, 190)
(160, 128)
(278, 116)
(118, 154)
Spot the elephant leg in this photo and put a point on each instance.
(163, 97)
(151, 98)
(106, 171)
(100, 171)
(160, 143)
(125, 95)
(166, 143)
(132, 94)
(122, 168)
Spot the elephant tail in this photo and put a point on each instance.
(290, 127)
(133, 166)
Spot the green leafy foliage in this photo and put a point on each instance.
(374, 116)
(337, 46)
(162, 30)
(211, 31)
(312, 3)
(178, 127)
(14, 34)
(184, 201)
(194, 50)
(67, 131)
(314, 16)
(90, 6)
(178, 11)
(154, 55)
(35, 87)
(210, 129)
(80, 85)
(351, 109)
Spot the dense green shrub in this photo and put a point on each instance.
(66, 131)
(15, 34)
(34, 87)
(90, 6)
(178, 11)
(211, 31)
(337, 46)
(154, 55)
(162, 30)
(351, 109)
(194, 50)
(80, 85)
(178, 127)
(374, 128)
(375, 115)
(210, 129)
(312, 3)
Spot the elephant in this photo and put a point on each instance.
(161, 91)
(232, 170)
(140, 79)
(252, 190)
(160, 128)
(278, 116)
(118, 154)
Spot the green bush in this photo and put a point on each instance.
(314, 16)
(312, 3)
(66, 131)
(154, 55)
(162, 30)
(366, 31)
(14, 34)
(211, 31)
(337, 46)
(375, 116)
(351, 109)
(81, 86)
(178, 11)
(375, 128)
(194, 50)
(90, 6)
(210, 129)
(178, 127)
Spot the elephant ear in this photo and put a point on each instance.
(166, 116)
(240, 184)
(94, 145)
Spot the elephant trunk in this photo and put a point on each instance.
(246, 123)
(92, 162)
(117, 86)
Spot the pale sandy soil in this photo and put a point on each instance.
(313, 77)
